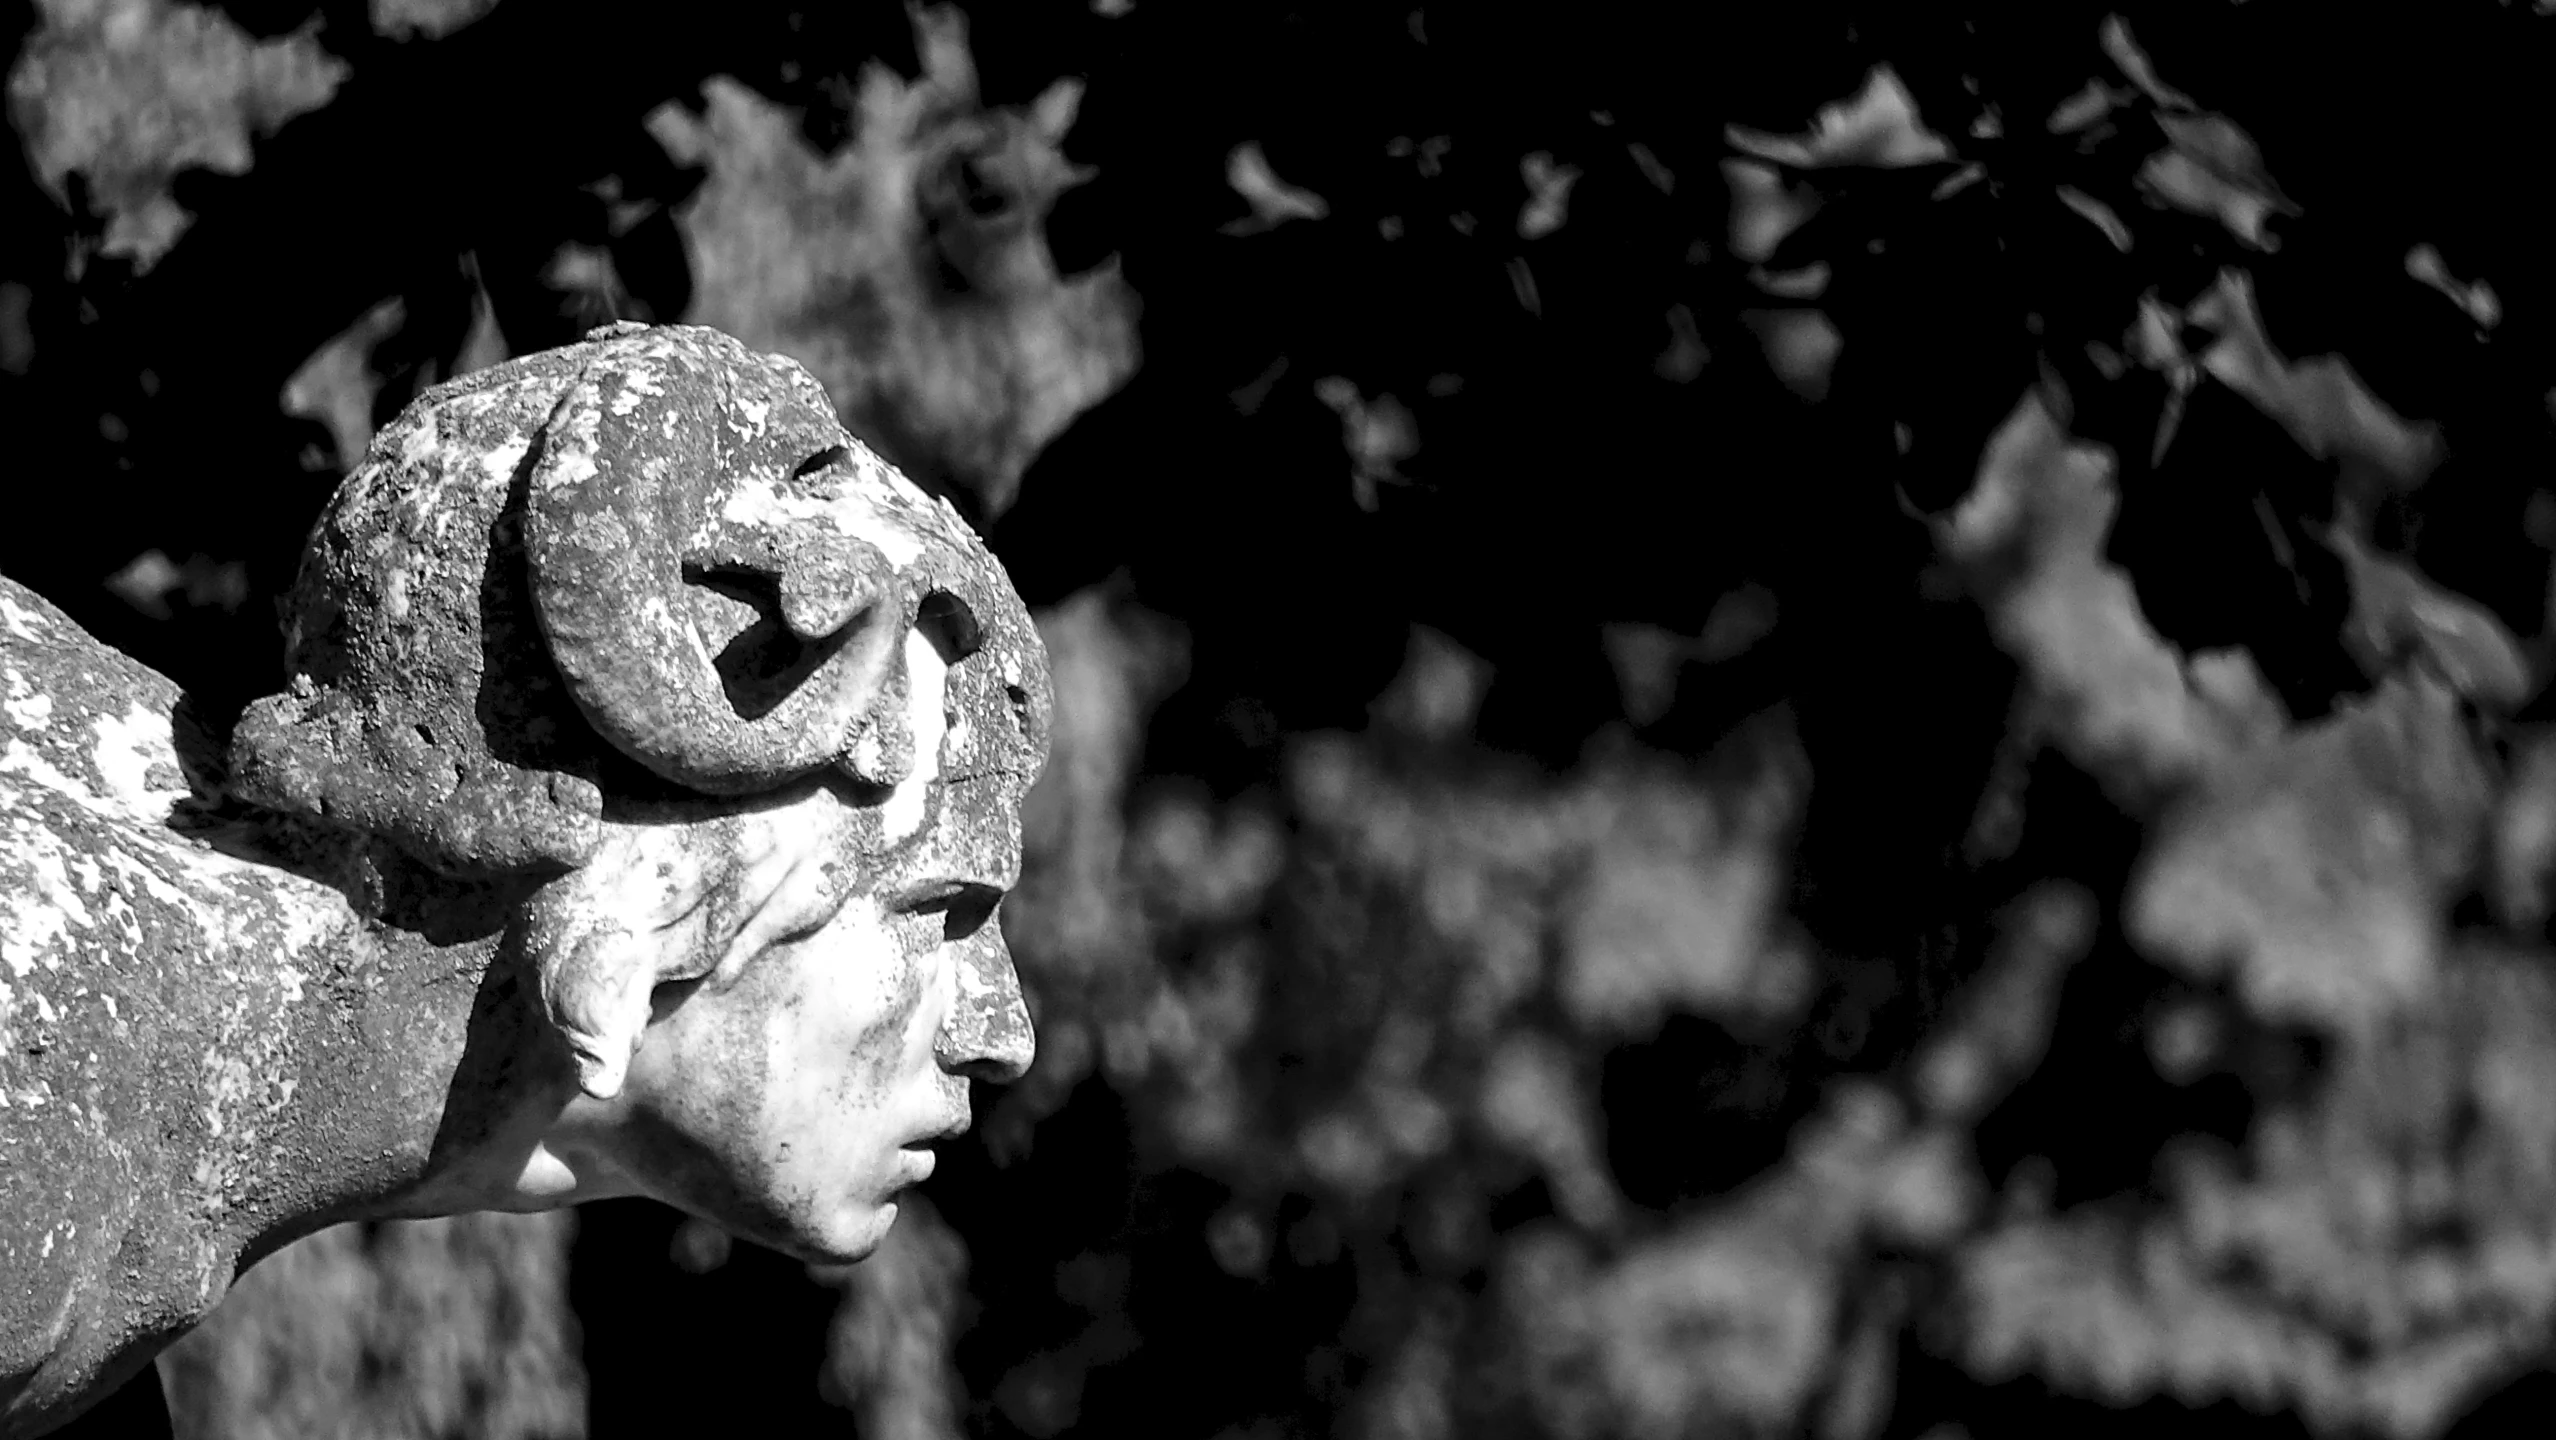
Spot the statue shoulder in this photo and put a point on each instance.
(79, 719)
(150, 990)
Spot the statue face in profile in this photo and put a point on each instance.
(647, 618)
(790, 1093)
(793, 1102)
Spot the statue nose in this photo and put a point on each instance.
(987, 1034)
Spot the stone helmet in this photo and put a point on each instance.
(652, 562)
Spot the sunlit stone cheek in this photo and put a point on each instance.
(848, 1016)
(839, 1013)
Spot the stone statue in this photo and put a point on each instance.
(633, 823)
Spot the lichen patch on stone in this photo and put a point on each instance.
(137, 764)
(32, 922)
(27, 709)
(20, 622)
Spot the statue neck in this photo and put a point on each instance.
(414, 1043)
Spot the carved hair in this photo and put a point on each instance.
(658, 539)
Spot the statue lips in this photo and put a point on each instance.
(951, 1128)
(919, 1149)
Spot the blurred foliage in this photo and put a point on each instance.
(1802, 721)
(451, 1328)
(119, 96)
(909, 270)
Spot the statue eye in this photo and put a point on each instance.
(829, 456)
(963, 906)
(969, 916)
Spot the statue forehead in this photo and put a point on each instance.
(656, 556)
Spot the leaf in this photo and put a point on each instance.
(1998, 1028)
(2524, 837)
(2091, 105)
(1548, 187)
(2124, 50)
(1764, 208)
(1801, 347)
(2320, 401)
(1379, 433)
(910, 270)
(1675, 913)
(2212, 169)
(2098, 214)
(431, 19)
(1877, 127)
(2319, 869)
(2119, 699)
(2399, 616)
(2210, 166)
(127, 93)
(2424, 263)
(340, 385)
(1273, 201)
(1530, 1104)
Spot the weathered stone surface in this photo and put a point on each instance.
(676, 525)
(723, 571)
(158, 1000)
(426, 940)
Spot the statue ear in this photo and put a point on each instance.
(596, 991)
(667, 902)
(605, 936)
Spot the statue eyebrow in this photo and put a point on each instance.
(806, 901)
(806, 897)
(783, 918)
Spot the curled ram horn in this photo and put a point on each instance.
(725, 608)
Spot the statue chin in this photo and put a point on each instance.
(633, 824)
(852, 1238)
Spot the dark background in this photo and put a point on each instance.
(1571, 900)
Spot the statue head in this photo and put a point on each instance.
(749, 717)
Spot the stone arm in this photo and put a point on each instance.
(172, 981)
